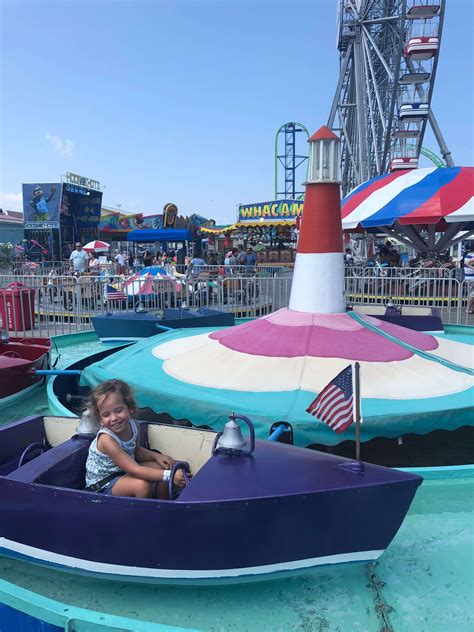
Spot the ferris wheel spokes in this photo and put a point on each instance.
(388, 57)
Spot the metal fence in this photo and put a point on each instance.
(49, 305)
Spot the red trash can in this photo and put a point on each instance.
(17, 307)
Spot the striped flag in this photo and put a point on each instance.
(334, 404)
(112, 294)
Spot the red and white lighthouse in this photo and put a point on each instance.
(318, 279)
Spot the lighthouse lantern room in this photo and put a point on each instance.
(323, 157)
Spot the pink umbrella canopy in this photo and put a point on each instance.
(96, 246)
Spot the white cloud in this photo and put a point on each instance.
(12, 197)
(11, 201)
(64, 147)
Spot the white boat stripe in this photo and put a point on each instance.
(36, 554)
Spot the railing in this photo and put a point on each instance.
(66, 304)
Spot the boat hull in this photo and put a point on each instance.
(93, 534)
(280, 510)
(18, 361)
(121, 326)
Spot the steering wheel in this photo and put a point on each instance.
(11, 354)
(179, 465)
(33, 447)
(27, 341)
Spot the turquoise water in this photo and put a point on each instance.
(424, 582)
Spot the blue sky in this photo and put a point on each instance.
(179, 101)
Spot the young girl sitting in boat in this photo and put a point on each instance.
(117, 464)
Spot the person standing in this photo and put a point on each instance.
(120, 262)
(241, 258)
(197, 265)
(147, 259)
(93, 264)
(78, 259)
(250, 261)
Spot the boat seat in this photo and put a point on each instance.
(61, 466)
(183, 444)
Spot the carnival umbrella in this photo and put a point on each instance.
(414, 206)
(96, 246)
(150, 280)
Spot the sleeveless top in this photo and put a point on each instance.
(100, 465)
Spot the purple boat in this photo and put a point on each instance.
(253, 509)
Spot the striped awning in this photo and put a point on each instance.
(419, 196)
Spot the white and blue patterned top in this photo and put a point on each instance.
(100, 465)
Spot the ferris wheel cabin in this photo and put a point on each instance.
(414, 112)
(421, 48)
(406, 133)
(423, 11)
(399, 164)
(414, 78)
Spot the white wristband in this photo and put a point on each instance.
(166, 476)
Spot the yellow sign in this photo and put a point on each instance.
(282, 210)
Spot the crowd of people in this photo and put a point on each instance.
(236, 261)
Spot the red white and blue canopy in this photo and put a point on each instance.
(419, 196)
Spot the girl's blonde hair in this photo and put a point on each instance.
(101, 391)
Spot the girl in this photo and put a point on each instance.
(116, 463)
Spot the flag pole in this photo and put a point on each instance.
(357, 407)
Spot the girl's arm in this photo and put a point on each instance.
(109, 446)
(142, 455)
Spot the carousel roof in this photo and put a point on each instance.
(419, 196)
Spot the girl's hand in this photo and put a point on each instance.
(179, 479)
(164, 461)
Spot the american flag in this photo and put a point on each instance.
(112, 294)
(334, 404)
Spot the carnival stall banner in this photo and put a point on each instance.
(114, 221)
(274, 211)
(41, 205)
(80, 206)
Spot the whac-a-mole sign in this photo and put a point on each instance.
(274, 211)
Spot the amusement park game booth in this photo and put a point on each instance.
(269, 227)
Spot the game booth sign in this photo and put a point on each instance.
(60, 213)
(166, 228)
(269, 227)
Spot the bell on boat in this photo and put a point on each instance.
(231, 438)
(89, 423)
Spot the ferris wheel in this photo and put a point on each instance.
(389, 53)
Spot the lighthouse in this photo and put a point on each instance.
(318, 279)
